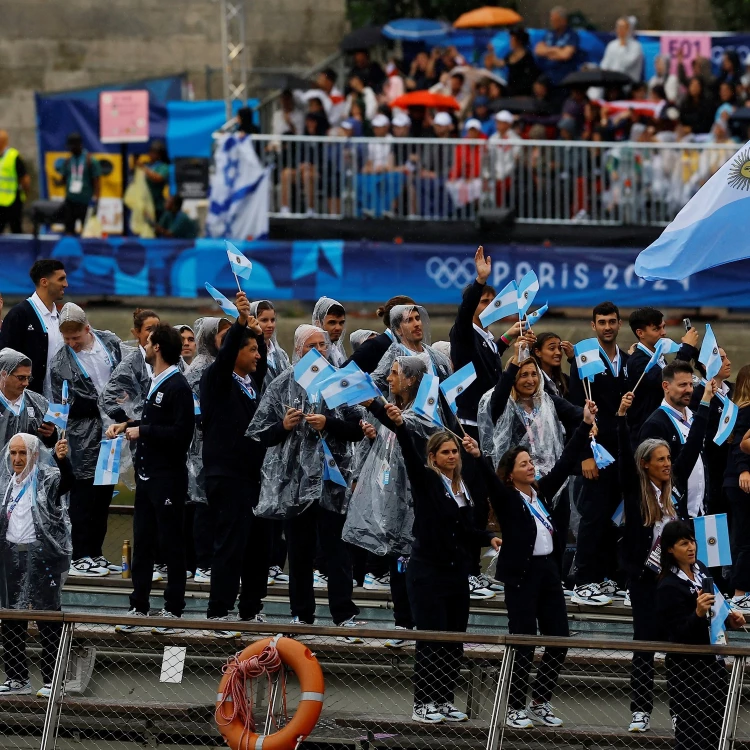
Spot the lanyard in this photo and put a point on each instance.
(678, 421)
(541, 515)
(614, 366)
(80, 364)
(697, 584)
(449, 487)
(172, 370)
(13, 503)
(41, 319)
(4, 401)
(248, 390)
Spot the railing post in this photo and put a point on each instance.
(734, 695)
(499, 707)
(54, 704)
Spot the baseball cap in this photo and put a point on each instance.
(473, 123)
(442, 119)
(401, 120)
(71, 313)
(504, 116)
(347, 125)
(380, 121)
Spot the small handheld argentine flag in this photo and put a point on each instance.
(312, 367)
(457, 383)
(663, 346)
(108, 464)
(239, 264)
(196, 405)
(728, 418)
(602, 456)
(349, 385)
(712, 537)
(709, 356)
(619, 515)
(57, 414)
(533, 318)
(588, 359)
(528, 286)
(504, 304)
(228, 307)
(719, 613)
(331, 470)
(426, 402)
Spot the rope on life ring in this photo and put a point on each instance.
(234, 717)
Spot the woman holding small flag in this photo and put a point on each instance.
(686, 613)
(654, 490)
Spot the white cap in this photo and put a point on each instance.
(380, 121)
(473, 123)
(347, 125)
(442, 119)
(504, 116)
(401, 120)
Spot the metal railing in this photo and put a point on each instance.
(113, 688)
(560, 182)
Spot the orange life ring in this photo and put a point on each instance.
(304, 664)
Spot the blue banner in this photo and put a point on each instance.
(361, 271)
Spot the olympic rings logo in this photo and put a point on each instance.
(450, 272)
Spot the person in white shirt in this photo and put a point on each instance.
(624, 54)
(380, 155)
(504, 154)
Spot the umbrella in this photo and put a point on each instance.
(284, 81)
(415, 29)
(740, 115)
(473, 75)
(487, 16)
(596, 77)
(522, 105)
(425, 99)
(318, 94)
(364, 38)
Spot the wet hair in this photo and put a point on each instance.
(336, 310)
(44, 268)
(169, 342)
(384, 311)
(605, 308)
(644, 317)
(140, 316)
(262, 306)
(673, 532)
(508, 462)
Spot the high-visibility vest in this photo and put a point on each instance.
(8, 177)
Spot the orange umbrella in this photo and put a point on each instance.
(425, 99)
(487, 16)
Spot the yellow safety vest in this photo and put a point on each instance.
(8, 177)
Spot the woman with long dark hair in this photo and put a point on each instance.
(549, 351)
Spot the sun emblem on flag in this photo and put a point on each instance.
(430, 401)
(584, 358)
(315, 368)
(711, 540)
(716, 350)
(459, 389)
(525, 295)
(237, 259)
(726, 420)
(344, 383)
(739, 172)
(497, 303)
(331, 462)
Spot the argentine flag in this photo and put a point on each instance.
(709, 356)
(719, 613)
(57, 414)
(601, 455)
(457, 383)
(588, 359)
(712, 537)
(619, 515)
(426, 402)
(240, 265)
(663, 346)
(349, 385)
(312, 367)
(108, 463)
(331, 471)
(504, 304)
(710, 229)
(533, 318)
(227, 306)
(528, 286)
(728, 418)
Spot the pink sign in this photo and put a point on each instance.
(123, 116)
(690, 45)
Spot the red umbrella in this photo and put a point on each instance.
(425, 99)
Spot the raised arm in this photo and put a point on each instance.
(502, 391)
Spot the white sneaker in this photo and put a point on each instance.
(349, 624)
(589, 595)
(740, 603)
(256, 619)
(451, 713)
(102, 562)
(396, 642)
(188, 575)
(518, 719)
(165, 630)
(477, 590)
(159, 574)
(131, 627)
(641, 722)
(426, 713)
(297, 636)
(278, 575)
(202, 575)
(490, 583)
(15, 687)
(85, 567)
(626, 600)
(45, 691)
(542, 713)
(373, 583)
(610, 588)
(319, 580)
(223, 633)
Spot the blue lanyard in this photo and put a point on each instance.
(249, 391)
(676, 421)
(449, 487)
(13, 503)
(80, 364)
(33, 307)
(614, 368)
(162, 378)
(543, 517)
(4, 401)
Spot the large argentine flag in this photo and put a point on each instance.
(712, 537)
(709, 231)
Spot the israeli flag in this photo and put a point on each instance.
(619, 515)
(426, 402)
(728, 418)
(602, 456)
(311, 368)
(588, 359)
(712, 537)
(533, 318)
(108, 464)
(719, 613)
(709, 356)
(457, 383)
(240, 265)
(331, 471)
(710, 229)
(228, 307)
(504, 304)
(528, 286)
(239, 192)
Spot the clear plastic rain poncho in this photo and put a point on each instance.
(357, 338)
(32, 578)
(436, 363)
(29, 415)
(125, 394)
(336, 352)
(540, 431)
(381, 512)
(292, 472)
(86, 423)
(278, 359)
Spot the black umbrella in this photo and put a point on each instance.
(285, 81)
(740, 115)
(596, 77)
(364, 38)
(521, 105)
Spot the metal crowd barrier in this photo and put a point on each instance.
(112, 690)
(420, 179)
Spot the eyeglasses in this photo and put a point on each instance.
(23, 378)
